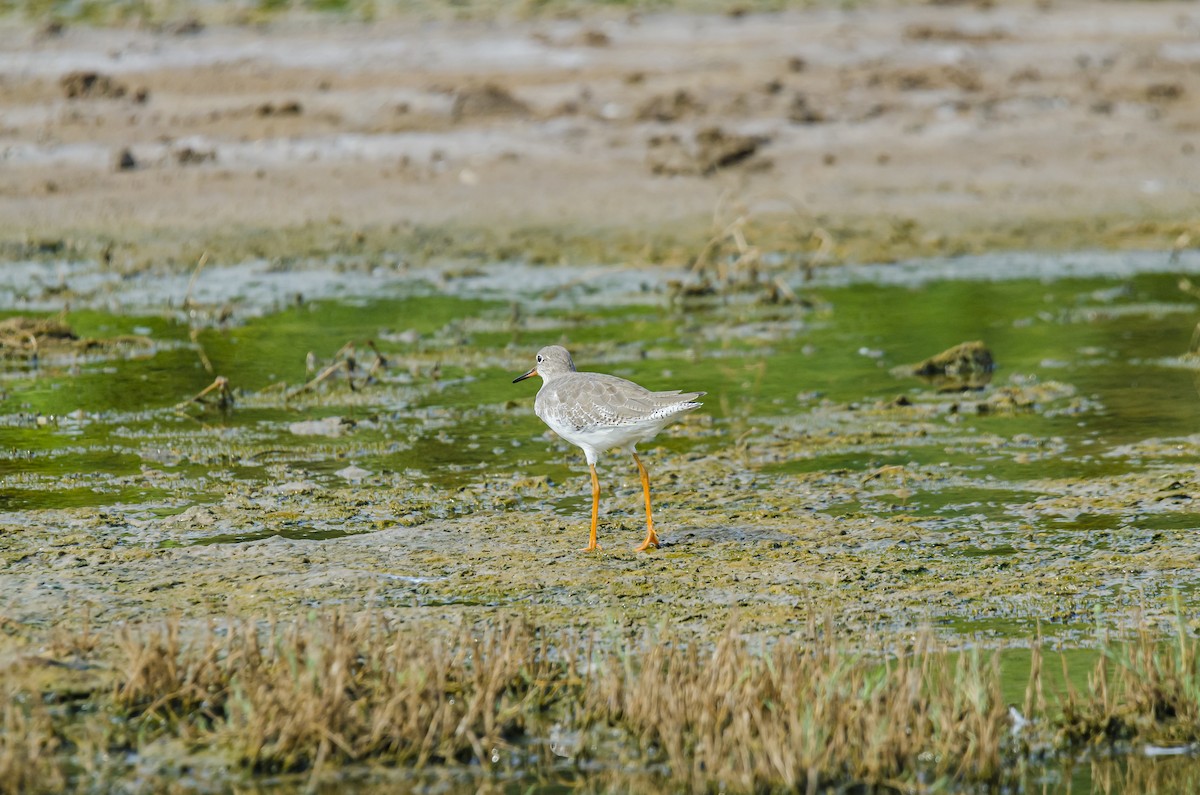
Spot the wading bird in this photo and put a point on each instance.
(597, 412)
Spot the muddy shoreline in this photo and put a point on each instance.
(870, 134)
(764, 516)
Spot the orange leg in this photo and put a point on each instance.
(592, 545)
(651, 537)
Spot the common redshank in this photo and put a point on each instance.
(597, 412)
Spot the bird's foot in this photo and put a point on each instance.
(651, 542)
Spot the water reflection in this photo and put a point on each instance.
(1103, 772)
(1147, 771)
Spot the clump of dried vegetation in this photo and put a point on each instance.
(1142, 689)
(30, 339)
(332, 689)
(729, 262)
(797, 717)
(28, 746)
(294, 697)
(344, 361)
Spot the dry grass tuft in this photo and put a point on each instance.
(1145, 689)
(32, 339)
(28, 747)
(333, 689)
(729, 262)
(800, 716)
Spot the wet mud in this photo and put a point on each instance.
(861, 134)
(424, 485)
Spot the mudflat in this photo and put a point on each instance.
(864, 133)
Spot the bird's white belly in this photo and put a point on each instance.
(598, 438)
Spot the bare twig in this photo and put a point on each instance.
(318, 378)
(194, 335)
(886, 469)
(187, 297)
(344, 360)
(224, 395)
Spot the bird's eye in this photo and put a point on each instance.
(539, 359)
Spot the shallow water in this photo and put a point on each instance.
(79, 432)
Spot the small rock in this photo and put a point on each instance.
(291, 487)
(195, 516)
(126, 160)
(718, 149)
(52, 29)
(1164, 92)
(801, 111)
(714, 149)
(669, 107)
(91, 85)
(291, 108)
(185, 27)
(489, 99)
(594, 38)
(188, 156)
(968, 365)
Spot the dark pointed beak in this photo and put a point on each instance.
(532, 372)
